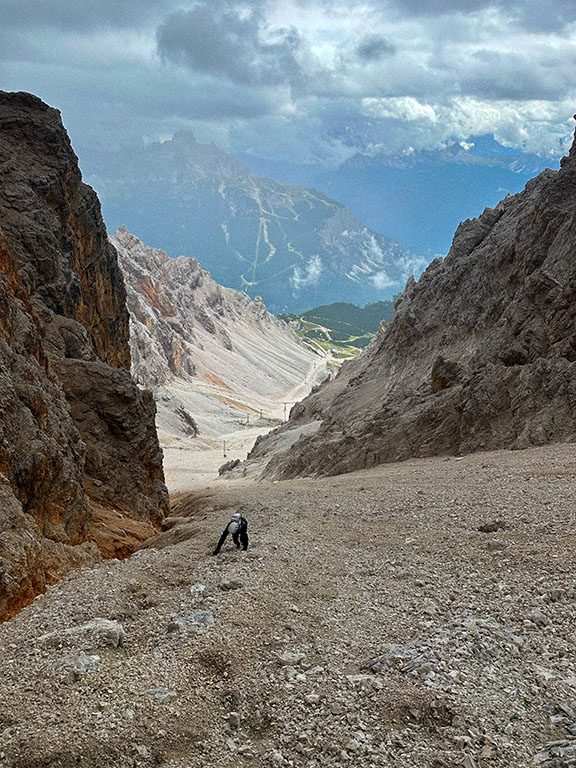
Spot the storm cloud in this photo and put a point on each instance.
(374, 48)
(231, 43)
(300, 80)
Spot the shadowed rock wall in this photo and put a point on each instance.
(74, 427)
(480, 353)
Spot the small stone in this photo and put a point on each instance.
(277, 757)
(201, 618)
(161, 695)
(353, 745)
(176, 625)
(234, 719)
(76, 663)
(568, 710)
(492, 527)
(290, 659)
(365, 681)
(312, 698)
(227, 585)
(539, 618)
(95, 633)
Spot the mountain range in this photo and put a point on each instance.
(291, 245)
(419, 197)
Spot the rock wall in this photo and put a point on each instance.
(74, 427)
(480, 353)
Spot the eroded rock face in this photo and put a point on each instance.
(480, 353)
(66, 395)
(180, 318)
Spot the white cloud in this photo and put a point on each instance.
(309, 276)
(382, 281)
(533, 125)
(403, 108)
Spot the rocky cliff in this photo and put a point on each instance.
(77, 436)
(185, 325)
(217, 360)
(480, 353)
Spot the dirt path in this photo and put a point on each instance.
(476, 629)
(301, 390)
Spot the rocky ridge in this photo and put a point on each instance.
(78, 447)
(293, 246)
(479, 355)
(217, 360)
(185, 325)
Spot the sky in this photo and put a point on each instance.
(306, 81)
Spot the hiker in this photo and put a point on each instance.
(238, 527)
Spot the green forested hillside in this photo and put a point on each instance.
(349, 318)
(341, 326)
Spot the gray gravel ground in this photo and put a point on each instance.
(372, 623)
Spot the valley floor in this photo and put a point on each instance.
(458, 575)
(230, 423)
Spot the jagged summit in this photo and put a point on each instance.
(480, 353)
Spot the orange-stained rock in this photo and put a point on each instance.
(69, 410)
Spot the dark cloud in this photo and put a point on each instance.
(78, 15)
(516, 77)
(441, 7)
(542, 15)
(374, 48)
(231, 43)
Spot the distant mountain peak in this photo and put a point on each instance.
(183, 137)
(292, 245)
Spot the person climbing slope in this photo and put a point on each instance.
(238, 528)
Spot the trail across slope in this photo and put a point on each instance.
(457, 575)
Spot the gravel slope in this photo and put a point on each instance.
(371, 623)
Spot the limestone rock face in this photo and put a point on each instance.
(221, 366)
(184, 325)
(479, 355)
(69, 410)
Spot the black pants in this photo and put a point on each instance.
(241, 536)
